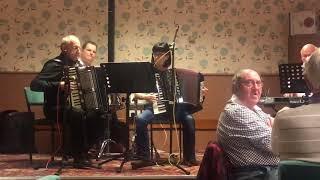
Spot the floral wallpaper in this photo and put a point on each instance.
(31, 30)
(214, 36)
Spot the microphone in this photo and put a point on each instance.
(171, 45)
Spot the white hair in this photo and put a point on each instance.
(312, 69)
(70, 38)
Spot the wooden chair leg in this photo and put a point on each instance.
(52, 142)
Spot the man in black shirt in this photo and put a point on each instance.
(50, 81)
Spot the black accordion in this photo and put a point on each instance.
(188, 85)
(86, 88)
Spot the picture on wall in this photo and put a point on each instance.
(303, 22)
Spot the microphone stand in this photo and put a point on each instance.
(173, 86)
(173, 90)
(173, 158)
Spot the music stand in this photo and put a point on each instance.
(132, 77)
(292, 79)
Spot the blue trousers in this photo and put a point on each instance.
(142, 139)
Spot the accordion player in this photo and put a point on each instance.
(161, 60)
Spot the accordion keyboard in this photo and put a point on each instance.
(74, 88)
(159, 106)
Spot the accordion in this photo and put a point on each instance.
(86, 88)
(188, 95)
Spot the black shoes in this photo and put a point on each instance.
(82, 161)
(141, 163)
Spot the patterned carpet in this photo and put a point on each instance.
(17, 166)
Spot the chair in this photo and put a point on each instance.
(136, 108)
(214, 165)
(33, 99)
(168, 121)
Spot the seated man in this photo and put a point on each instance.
(56, 108)
(88, 53)
(109, 126)
(161, 60)
(244, 130)
(296, 131)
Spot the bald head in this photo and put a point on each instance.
(306, 52)
(311, 71)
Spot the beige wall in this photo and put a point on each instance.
(217, 36)
(12, 97)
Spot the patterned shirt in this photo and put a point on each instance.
(245, 135)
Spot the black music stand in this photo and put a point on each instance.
(291, 79)
(133, 77)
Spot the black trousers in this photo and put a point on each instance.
(80, 129)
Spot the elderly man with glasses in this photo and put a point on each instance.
(244, 130)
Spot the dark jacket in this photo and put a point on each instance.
(48, 81)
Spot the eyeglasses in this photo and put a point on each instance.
(251, 83)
